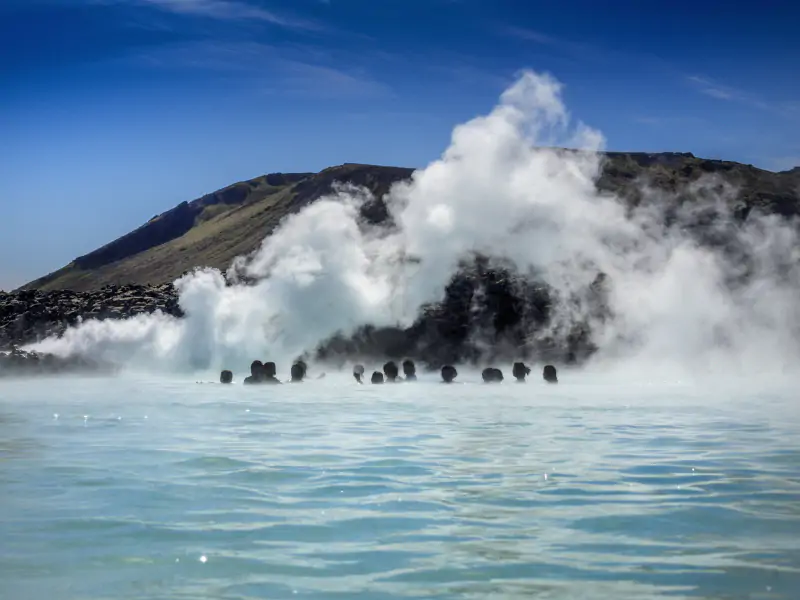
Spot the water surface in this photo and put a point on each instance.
(158, 489)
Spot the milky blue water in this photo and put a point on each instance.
(153, 489)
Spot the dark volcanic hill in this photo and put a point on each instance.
(212, 230)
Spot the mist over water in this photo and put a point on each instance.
(500, 190)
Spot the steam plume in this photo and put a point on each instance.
(500, 189)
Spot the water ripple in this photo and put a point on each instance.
(329, 491)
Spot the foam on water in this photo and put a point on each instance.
(595, 488)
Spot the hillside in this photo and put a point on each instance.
(213, 229)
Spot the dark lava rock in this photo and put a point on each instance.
(29, 316)
(489, 313)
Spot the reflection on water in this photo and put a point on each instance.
(164, 489)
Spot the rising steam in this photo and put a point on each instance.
(498, 190)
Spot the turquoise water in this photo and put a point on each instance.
(166, 489)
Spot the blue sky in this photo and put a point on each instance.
(114, 110)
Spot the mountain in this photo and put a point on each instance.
(489, 311)
(211, 230)
(214, 229)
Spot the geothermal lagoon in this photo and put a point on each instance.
(600, 487)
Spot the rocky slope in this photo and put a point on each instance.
(490, 303)
(212, 230)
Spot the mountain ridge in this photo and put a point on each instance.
(212, 230)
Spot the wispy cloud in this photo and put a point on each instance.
(293, 70)
(227, 10)
(716, 90)
(532, 36)
(667, 121)
(318, 80)
(586, 52)
(464, 73)
(719, 91)
(578, 50)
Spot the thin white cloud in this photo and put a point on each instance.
(532, 36)
(577, 50)
(586, 52)
(284, 70)
(667, 121)
(229, 10)
(720, 91)
(583, 51)
(715, 90)
(318, 80)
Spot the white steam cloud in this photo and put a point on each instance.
(498, 190)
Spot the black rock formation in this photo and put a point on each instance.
(485, 306)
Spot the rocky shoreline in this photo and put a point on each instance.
(30, 315)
